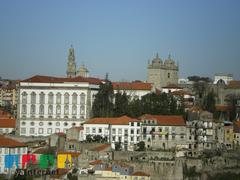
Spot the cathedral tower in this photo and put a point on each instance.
(71, 64)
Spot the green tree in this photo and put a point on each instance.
(121, 104)
(135, 108)
(209, 102)
(103, 103)
(141, 146)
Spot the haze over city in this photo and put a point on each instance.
(119, 37)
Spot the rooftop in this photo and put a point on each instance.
(139, 173)
(172, 86)
(7, 123)
(123, 120)
(131, 86)
(165, 120)
(8, 142)
(101, 147)
(50, 79)
(234, 85)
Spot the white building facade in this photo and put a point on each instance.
(49, 104)
(123, 130)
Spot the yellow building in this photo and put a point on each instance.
(228, 135)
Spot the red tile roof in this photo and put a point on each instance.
(123, 120)
(7, 123)
(181, 93)
(132, 86)
(79, 128)
(165, 120)
(8, 142)
(4, 115)
(223, 108)
(108, 168)
(101, 147)
(49, 79)
(138, 173)
(95, 162)
(234, 85)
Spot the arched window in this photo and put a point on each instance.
(24, 109)
(24, 98)
(41, 109)
(33, 98)
(33, 109)
(82, 98)
(66, 98)
(50, 98)
(58, 98)
(168, 75)
(74, 109)
(74, 98)
(50, 109)
(82, 109)
(58, 110)
(42, 98)
(66, 109)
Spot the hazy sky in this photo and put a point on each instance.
(119, 36)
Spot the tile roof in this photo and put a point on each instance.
(131, 86)
(139, 173)
(224, 108)
(237, 126)
(165, 120)
(101, 147)
(123, 120)
(7, 123)
(4, 115)
(234, 85)
(8, 142)
(96, 162)
(79, 128)
(50, 79)
(181, 93)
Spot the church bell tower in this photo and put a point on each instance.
(71, 64)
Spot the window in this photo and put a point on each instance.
(126, 132)
(49, 123)
(58, 110)
(132, 138)
(40, 123)
(138, 131)
(132, 123)
(23, 123)
(74, 98)
(32, 123)
(41, 98)
(41, 109)
(24, 109)
(24, 98)
(113, 131)
(49, 130)
(66, 109)
(33, 109)
(173, 137)
(50, 109)
(93, 130)
(65, 124)
(31, 131)
(66, 98)
(82, 98)
(168, 75)
(119, 131)
(50, 98)
(100, 130)
(57, 130)
(40, 131)
(58, 98)
(87, 130)
(57, 123)
(6, 150)
(74, 109)
(82, 109)
(132, 131)
(113, 138)
(138, 124)
(33, 98)
(73, 124)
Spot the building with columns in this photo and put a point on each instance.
(51, 104)
(162, 73)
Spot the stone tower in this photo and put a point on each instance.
(162, 73)
(71, 65)
(82, 71)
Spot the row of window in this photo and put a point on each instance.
(119, 139)
(163, 137)
(41, 130)
(13, 150)
(50, 109)
(114, 130)
(51, 98)
(49, 124)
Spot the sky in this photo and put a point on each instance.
(119, 37)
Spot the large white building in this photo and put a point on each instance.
(124, 130)
(50, 104)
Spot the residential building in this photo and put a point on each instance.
(11, 153)
(75, 133)
(123, 130)
(135, 89)
(162, 73)
(163, 131)
(236, 134)
(228, 134)
(7, 125)
(52, 104)
(222, 78)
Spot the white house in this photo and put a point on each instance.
(135, 89)
(124, 130)
(11, 153)
(52, 104)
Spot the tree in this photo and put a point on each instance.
(141, 146)
(121, 104)
(135, 108)
(209, 102)
(103, 103)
